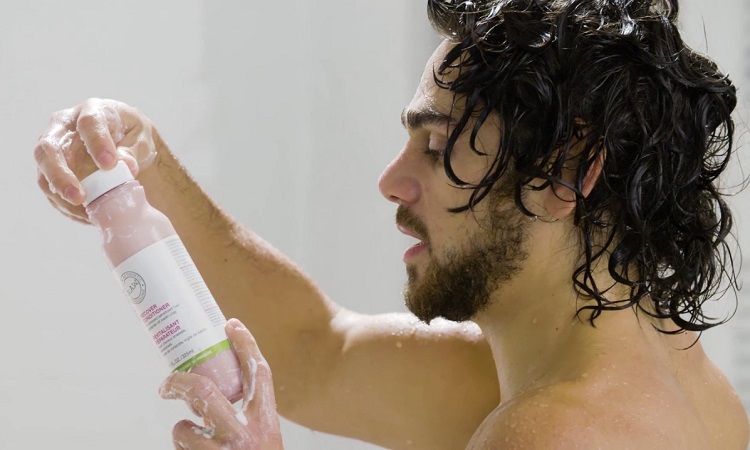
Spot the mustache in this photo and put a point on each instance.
(409, 220)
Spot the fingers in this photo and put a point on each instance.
(113, 130)
(98, 126)
(92, 135)
(134, 137)
(61, 153)
(187, 435)
(75, 212)
(257, 381)
(248, 355)
(206, 400)
(53, 166)
(257, 423)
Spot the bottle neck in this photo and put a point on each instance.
(123, 201)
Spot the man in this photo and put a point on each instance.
(559, 176)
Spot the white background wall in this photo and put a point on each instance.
(285, 111)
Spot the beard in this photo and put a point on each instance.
(461, 286)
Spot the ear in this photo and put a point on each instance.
(560, 199)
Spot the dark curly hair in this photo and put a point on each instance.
(612, 80)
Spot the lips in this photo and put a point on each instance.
(412, 252)
(412, 226)
(408, 232)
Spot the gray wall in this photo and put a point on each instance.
(285, 111)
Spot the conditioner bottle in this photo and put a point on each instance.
(160, 280)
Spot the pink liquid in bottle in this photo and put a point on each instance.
(160, 280)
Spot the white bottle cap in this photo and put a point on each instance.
(103, 181)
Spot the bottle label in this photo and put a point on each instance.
(167, 292)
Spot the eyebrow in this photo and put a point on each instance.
(413, 119)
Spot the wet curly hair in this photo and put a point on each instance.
(612, 80)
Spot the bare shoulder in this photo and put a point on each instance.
(717, 404)
(575, 415)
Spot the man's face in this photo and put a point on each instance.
(462, 258)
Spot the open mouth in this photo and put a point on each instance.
(416, 249)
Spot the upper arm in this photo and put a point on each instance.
(398, 383)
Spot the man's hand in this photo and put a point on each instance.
(95, 134)
(254, 426)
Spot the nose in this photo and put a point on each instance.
(398, 182)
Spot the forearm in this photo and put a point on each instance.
(250, 280)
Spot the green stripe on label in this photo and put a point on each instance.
(206, 354)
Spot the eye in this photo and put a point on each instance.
(435, 154)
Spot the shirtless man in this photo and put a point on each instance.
(559, 175)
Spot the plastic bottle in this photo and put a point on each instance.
(160, 279)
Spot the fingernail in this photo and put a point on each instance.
(106, 159)
(236, 324)
(164, 391)
(72, 194)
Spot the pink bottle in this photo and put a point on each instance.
(160, 279)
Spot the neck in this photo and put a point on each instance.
(527, 332)
(538, 339)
